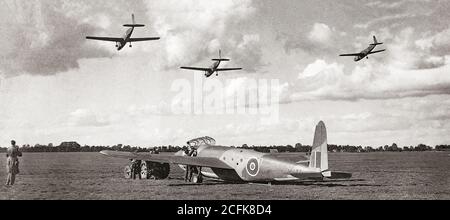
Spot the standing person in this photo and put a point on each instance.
(188, 168)
(132, 169)
(192, 169)
(135, 169)
(138, 168)
(12, 165)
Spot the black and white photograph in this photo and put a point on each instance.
(250, 100)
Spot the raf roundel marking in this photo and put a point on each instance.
(253, 167)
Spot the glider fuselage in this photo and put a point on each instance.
(365, 52)
(253, 166)
(126, 38)
(213, 69)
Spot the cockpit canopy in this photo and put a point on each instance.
(201, 141)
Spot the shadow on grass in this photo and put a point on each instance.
(319, 183)
(329, 183)
(207, 182)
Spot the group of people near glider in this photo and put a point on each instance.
(192, 173)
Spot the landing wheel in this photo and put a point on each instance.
(196, 178)
(127, 172)
(131, 45)
(162, 171)
(154, 171)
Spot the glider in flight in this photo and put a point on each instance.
(365, 53)
(214, 68)
(121, 42)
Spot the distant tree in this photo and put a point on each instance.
(423, 147)
(369, 149)
(303, 148)
(443, 148)
(394, 147)
(127, 148)
(359, 149)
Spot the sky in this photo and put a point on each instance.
(57, 86)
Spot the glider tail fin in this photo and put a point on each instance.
(319, 155)
(319, 152)
(375, 41)
(134, 23)
(220, 57)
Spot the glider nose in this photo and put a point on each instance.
(119, 46)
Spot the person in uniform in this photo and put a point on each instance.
(192, 169)
(12, 164)
(135, 168)
(138, 168)
(188, 168)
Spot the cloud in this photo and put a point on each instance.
(321, 40)
(330, 81)
(408, 48)
(40, 39)
(436, 107)
(385, 5)
(426, 53)
(321, 33)
(438, 44)
(86, 118)
(397, 13)
(366, 122)
(393, 4)
(390, 19)
(321, 67)
(249, 132)
(192, 30)
(248, 53)
(161, 109)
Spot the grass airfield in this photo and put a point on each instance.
(88, 176)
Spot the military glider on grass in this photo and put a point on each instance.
(240, 165)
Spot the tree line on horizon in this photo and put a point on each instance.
(75, 147)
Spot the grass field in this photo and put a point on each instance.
(407, 175)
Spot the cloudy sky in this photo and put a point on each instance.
(56, 86)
